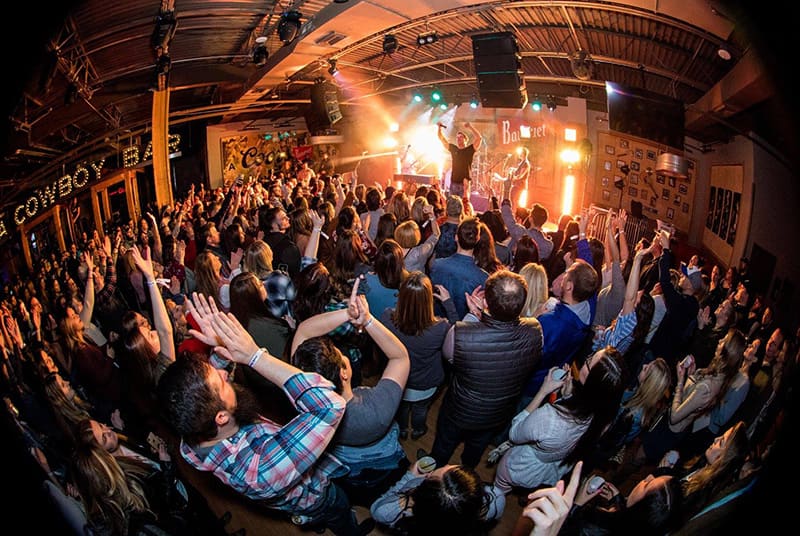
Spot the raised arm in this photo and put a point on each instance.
(445, 143)
(632, 289)
(160, 316)
(624, 251)
(476, 135)
(88, 291)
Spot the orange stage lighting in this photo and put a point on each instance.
(568, 195)
(523, 199)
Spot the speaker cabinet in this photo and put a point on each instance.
(498, 68)
(324, 110)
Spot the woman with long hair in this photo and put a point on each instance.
(485, 253)
(696, 393)
(423, 334)
(381, 285)
(400, 206)
(502, 238)
(209, 280)
(280, 287)
(535, 276)
(146, 352)
(301, 227)
(68, 407)
(547, 439)
(525, 252)
(347, 262)
(248, 295)
(387, 223)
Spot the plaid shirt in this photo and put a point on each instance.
(285, 468)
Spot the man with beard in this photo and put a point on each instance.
(280, 467)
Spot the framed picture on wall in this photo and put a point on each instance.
(609, 149)
(661, 179)
(604, 180)
(665, 194)
(676, 200)
(670, 213)
(606, 195)
(683, 188)
(651, 155)
(607, 165)
(633, 191)
(672, 182)
(620, 163)
(635, 165)
(639, 154)
(685, 208)
(623, 144)
(643, 193)
(633, 178)
(690, 164)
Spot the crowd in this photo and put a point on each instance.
(289, 335)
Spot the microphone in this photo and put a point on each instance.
(440, 125)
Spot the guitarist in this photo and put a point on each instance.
(518, 175)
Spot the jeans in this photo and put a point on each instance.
(449, 435)
(333, 513)
(419, 414)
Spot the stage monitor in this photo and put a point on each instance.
(645, 114)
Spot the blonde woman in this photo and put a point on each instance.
(69, 409)
(536, 277)
(400, 206)
(409, 235)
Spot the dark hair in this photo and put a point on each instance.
(468, 233)
(453, 504)
(347, 215)
(387, 223)
(414, 311)
(494, 221)
(314, 291)
(188, 404)
(320, 355)
(246, 301)
(232, 238)
(539, 215)
(347, 255)
(526, 250)
(389, 266)
(584, 279)
(597, 399)
(484, 251)
(373, 199)
(657, 512)
(505, 295)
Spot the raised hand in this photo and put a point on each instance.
(87, 258)
(317, 220)
(441, 293)
(236, 344)
(549, 507)
(202, 312)
(475, 301)
(236, 258)
(144, 265)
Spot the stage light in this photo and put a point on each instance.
(436, 95)
(394, 127)
(427, 38)
(389, 44)
(570, 156)
(289, 26)
(474, 102)
(536, 105)
(332, 67)
(417, 97)
(260, 52)
(443, 106)
(268, 137)
(569, 194)
(551, 103)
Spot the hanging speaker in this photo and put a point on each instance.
(498, 68)
(324, 111)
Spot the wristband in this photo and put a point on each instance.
(256, 357)
(151, 283)
(368, 323)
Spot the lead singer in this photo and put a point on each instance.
(462, 154)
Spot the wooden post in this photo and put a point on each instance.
(161, 173)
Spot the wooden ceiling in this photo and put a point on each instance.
(83, 76)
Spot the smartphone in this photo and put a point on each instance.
(687, 361)
(672, 457)
(154, 441)
(559, 374)
(595, 483)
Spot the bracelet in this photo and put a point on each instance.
(368, 323)
(151, 283)
(316, 229)
(256, 357)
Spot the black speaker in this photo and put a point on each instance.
(324, 110)
(498, 68)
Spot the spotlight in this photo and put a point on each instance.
(436, 95)
(551, 103)
(417, 97)
(260, 52)
(536, 105)
(427, 38)
(474, 102)
(289, 26)
(389, 43)
(332, 67)
(443, 106)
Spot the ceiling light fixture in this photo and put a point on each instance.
(260, 52)
(332, 67)
(551, 103)
(427, 38)
(389, 43)
(724, 53)
(289, 26)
